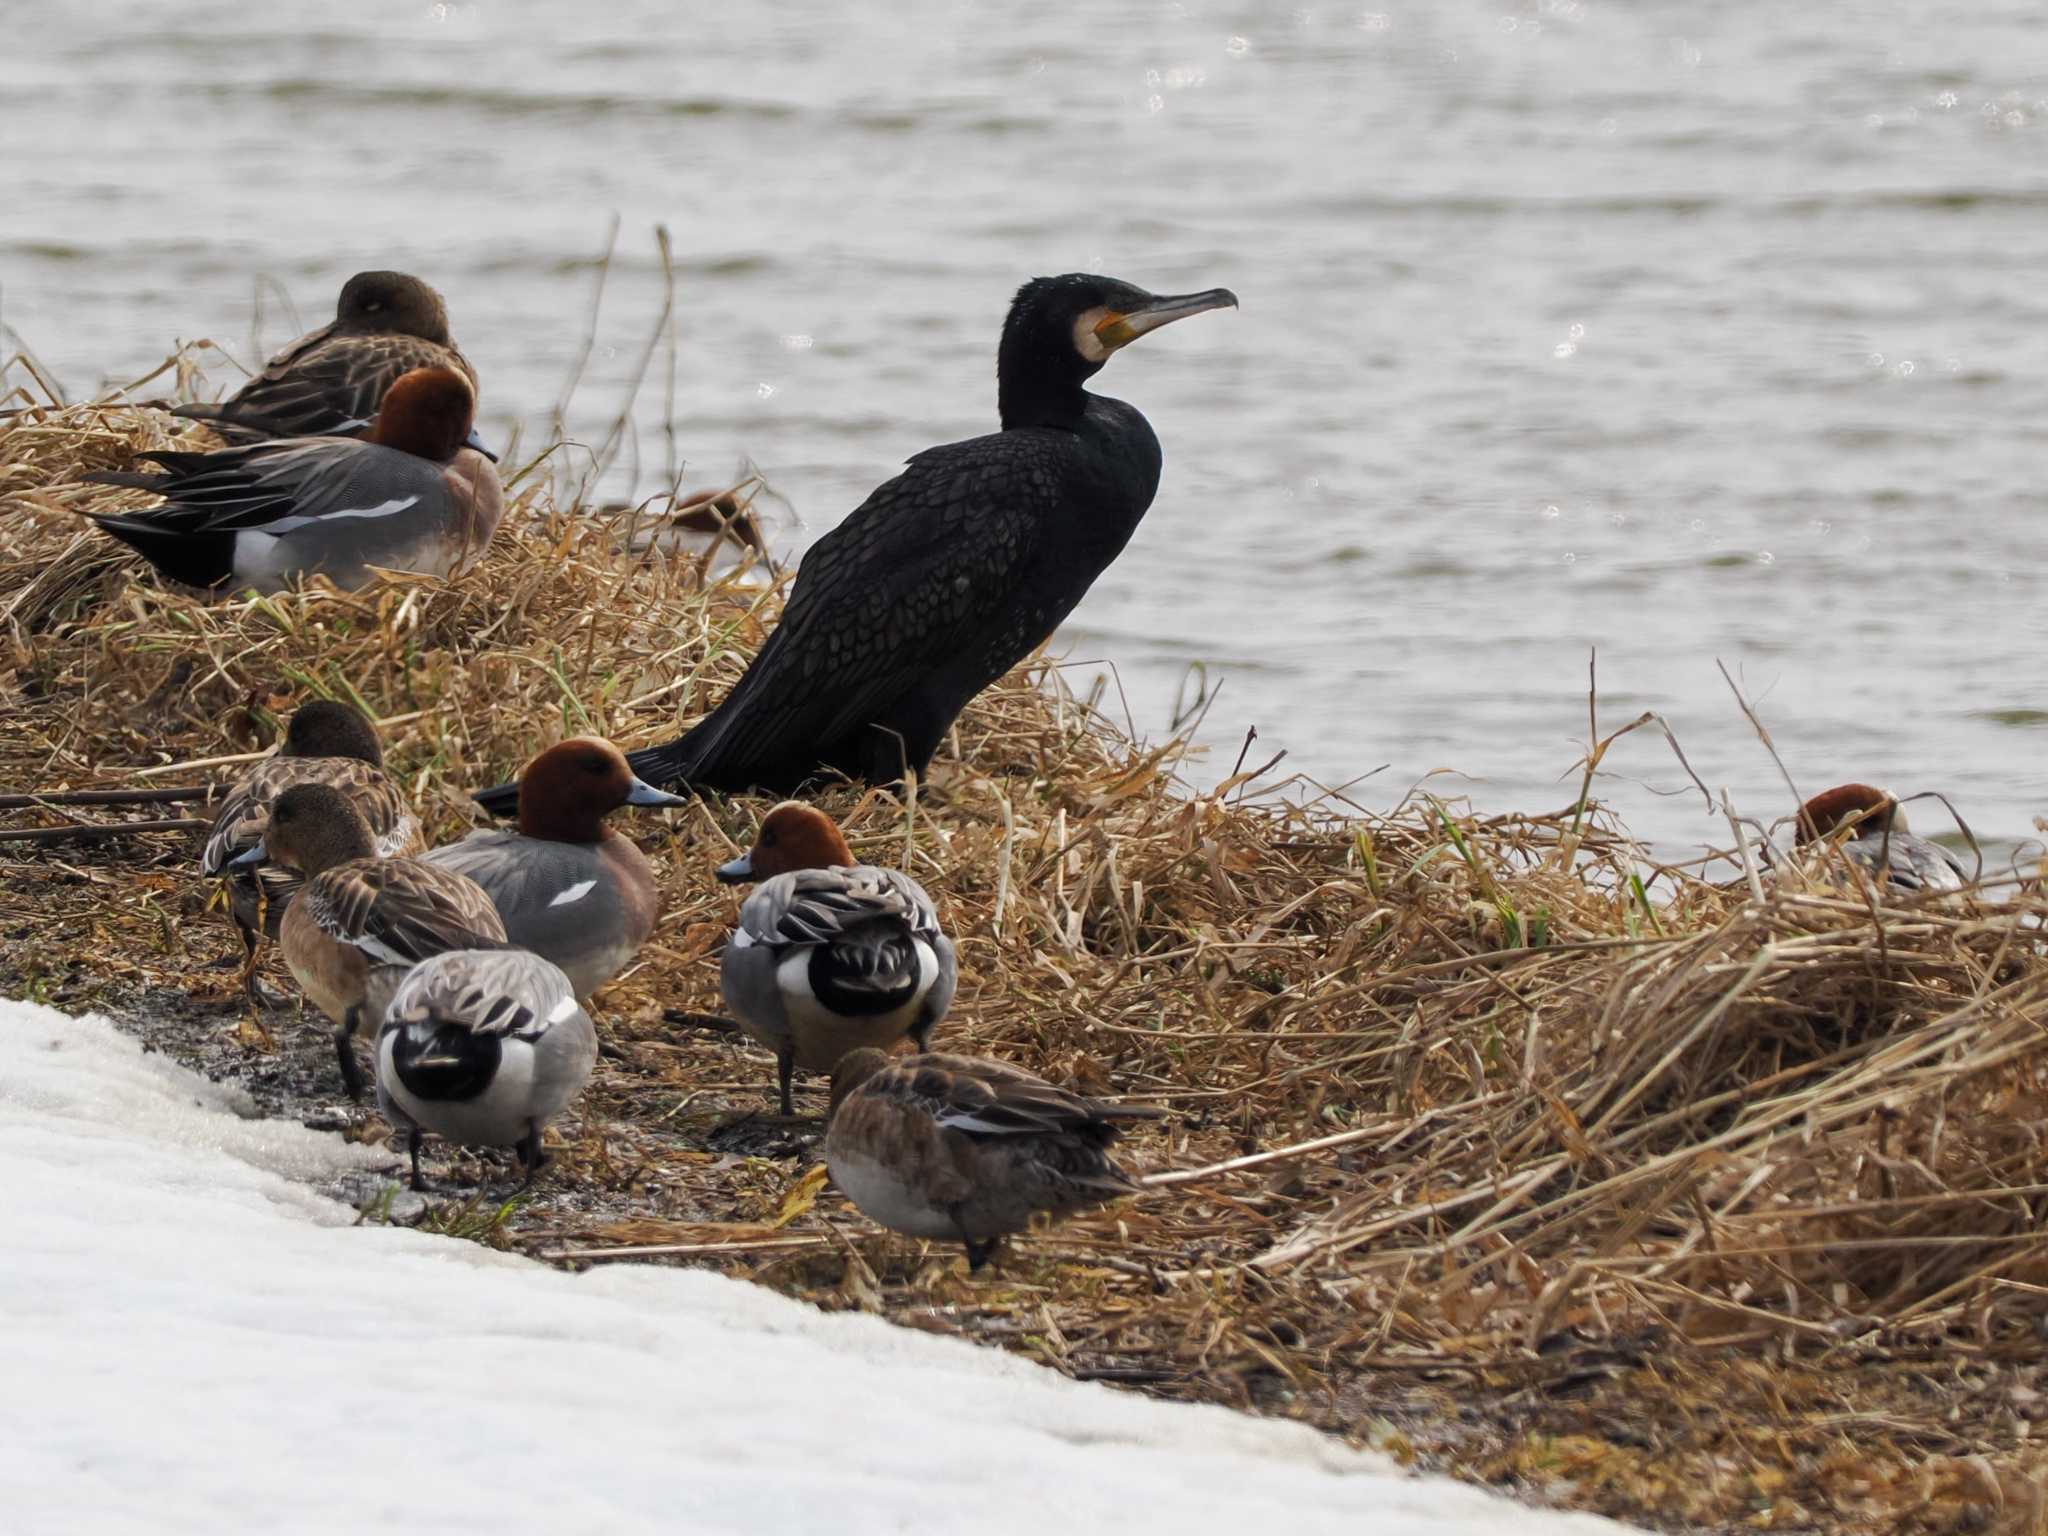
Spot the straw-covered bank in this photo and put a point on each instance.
(1492, 1142)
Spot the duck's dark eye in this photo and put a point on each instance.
(595, 765)
(767, 838)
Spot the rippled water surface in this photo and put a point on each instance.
(1692, 332)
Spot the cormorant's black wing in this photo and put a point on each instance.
(933, 572)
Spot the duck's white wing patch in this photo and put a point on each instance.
(284, 525)
(574, 893)
(379, 951)
(968, 1120)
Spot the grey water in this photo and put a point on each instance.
(1692, 332)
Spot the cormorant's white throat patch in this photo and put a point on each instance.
(1086, 342)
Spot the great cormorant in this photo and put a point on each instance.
(949, 574)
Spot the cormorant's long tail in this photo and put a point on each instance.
(499, 799)
(673, 764)
(705, 757)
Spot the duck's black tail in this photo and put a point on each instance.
(199, 559)
(445, 1060)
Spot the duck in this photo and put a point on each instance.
(1869, 826)
(951, 573)
(961, 1149)
(409, 496)
(482, 1047)
(830, 955)
(327, 742)
(359, 923)
(721, 516)
(568, 887)
(331, 381)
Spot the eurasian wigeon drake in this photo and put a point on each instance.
(1869, 826)
(330, 382)
(483, 1047)
(569, 888)
(954, 571)
(950, 1147)
(830, 955)
(407, 497)
(359, 923)
(327, 742)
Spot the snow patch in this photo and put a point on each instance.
(197, 1341)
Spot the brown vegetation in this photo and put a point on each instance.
(1702, 1205)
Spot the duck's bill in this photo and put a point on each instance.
(644, 793)
(474, 440)
(737, 871)
(1126, 326)
(255, 856)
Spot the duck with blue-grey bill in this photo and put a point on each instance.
(570, 888)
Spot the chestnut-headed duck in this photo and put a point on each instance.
(570, 888)
(327, 742)
(360, 922)
(951, 1147)
(829, 955)
(409, 496)
(483, 1047)
(1869, 826)
(330, 382)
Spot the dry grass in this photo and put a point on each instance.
(1704, 1206)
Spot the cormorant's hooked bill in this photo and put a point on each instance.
(1119, 328)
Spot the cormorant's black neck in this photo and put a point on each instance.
(1039, 377)
(1040, 406)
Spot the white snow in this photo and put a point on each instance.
(193, 1341)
